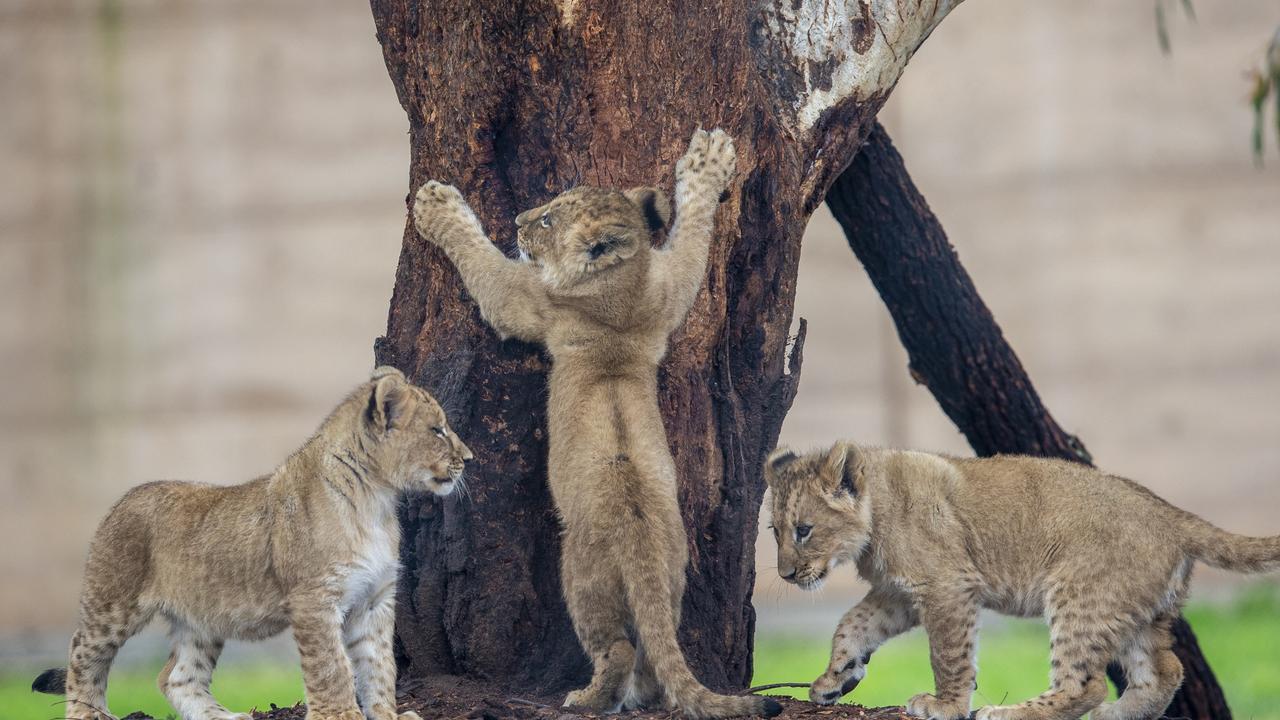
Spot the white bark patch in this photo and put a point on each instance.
(845, 49)
(567, 8)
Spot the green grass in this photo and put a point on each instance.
(238, 687)
(1240, 640)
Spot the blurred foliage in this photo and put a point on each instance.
(1265, 78)
(1266, 84)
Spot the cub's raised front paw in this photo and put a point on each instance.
(707, 165)
(438, 209)
(834, 685)
(929, 707)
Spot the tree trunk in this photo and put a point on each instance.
(956, 348)
(514, 102)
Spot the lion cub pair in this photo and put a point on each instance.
(1104, 560)
(312, 547)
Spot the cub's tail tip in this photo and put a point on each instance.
(52, 681)
(770, 707)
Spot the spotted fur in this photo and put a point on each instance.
(1102, 559)
(312, 547)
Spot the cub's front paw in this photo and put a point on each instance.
(707, 165)
(929, 707)
(408, 715)
(436, 207)
(833, 685)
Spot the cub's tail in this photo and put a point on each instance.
(1229, 551)
(52, 681)
(649, 596)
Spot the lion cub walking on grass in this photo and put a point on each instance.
(603, 302)
(312, 547)
(1104, 560)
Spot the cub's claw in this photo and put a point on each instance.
(832, 685)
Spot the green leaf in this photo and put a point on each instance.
(1162, 28)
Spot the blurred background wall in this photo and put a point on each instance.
(201, 204)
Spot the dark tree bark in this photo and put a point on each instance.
(957, 350)
(514, 102)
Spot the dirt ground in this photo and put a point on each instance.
(455, 698)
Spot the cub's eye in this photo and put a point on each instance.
(802, 532)
(440, 432)
(595, 251)
(545, 220)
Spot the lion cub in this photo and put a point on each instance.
(603, 302)
(312, 547)
(1104, 560)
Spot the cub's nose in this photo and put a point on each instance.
(788, 574)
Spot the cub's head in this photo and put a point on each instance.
(820, 515)
(587, 232)
(412, 442)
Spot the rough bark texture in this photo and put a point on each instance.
(514, 102)
(957, 350)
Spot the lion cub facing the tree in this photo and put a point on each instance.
(1104, 560)
(312, 547)
(603, 302)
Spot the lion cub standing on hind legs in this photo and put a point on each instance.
(603, 302)
(313, 546)
(1103, 559)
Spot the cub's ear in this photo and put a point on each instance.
(778, 459)
(384, 370)
(654, 204)
(389, 402)
(842, 469)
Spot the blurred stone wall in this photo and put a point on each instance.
(201, 204)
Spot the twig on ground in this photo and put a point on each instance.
(775, 686)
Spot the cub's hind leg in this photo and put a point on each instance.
(597, 604)
(1084, 633)
(1153, 673)
(104, 627)
(186, 677)
(643, 690)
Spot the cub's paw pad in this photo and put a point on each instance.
(930, 707)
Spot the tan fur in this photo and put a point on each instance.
(603, 302)
(1104, 560)
(313, 546)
